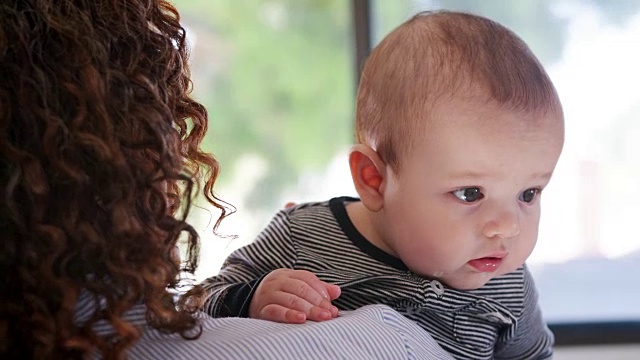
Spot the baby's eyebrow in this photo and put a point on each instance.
(543, 176)
(468, 175)
(479, 175)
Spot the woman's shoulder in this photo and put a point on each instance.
(371, 332)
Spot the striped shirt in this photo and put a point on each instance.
(371, 332)
(499, 320)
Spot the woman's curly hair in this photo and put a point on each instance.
(99, 162)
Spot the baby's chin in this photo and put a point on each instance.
(466, 284)
(470, 282)
(475, 280)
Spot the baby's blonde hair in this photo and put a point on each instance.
(437, 55)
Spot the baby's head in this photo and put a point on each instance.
(459, 129)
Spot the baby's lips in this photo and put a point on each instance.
(486, 264)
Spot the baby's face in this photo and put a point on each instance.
(465, 204)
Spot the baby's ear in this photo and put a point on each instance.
(367, 172)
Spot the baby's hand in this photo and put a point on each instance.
(293, 296)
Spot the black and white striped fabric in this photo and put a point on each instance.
(501, 320)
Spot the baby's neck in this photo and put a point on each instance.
(367, 223)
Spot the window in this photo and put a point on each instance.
(277, 77)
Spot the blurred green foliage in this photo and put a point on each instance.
(277, 79)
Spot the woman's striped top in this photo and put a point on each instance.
(371, 332)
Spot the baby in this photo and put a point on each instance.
(459, 130)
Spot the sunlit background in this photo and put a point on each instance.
(278, 80)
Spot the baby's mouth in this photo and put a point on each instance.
(487, 264)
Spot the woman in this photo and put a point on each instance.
(100, 160)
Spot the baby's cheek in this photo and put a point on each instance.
(514, 262)
(426, 262)
(526, 247)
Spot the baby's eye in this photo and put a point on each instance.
(529, 195)
(469, 194)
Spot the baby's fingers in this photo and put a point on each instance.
(285, 300)
(282, 314)
(321, 314)
(324, 290)
(301, 296)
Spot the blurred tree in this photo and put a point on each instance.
(276, 78)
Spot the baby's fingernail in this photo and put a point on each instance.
(325, 315)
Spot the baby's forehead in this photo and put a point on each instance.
(483, 118)
(477, 103)
(473, 135)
